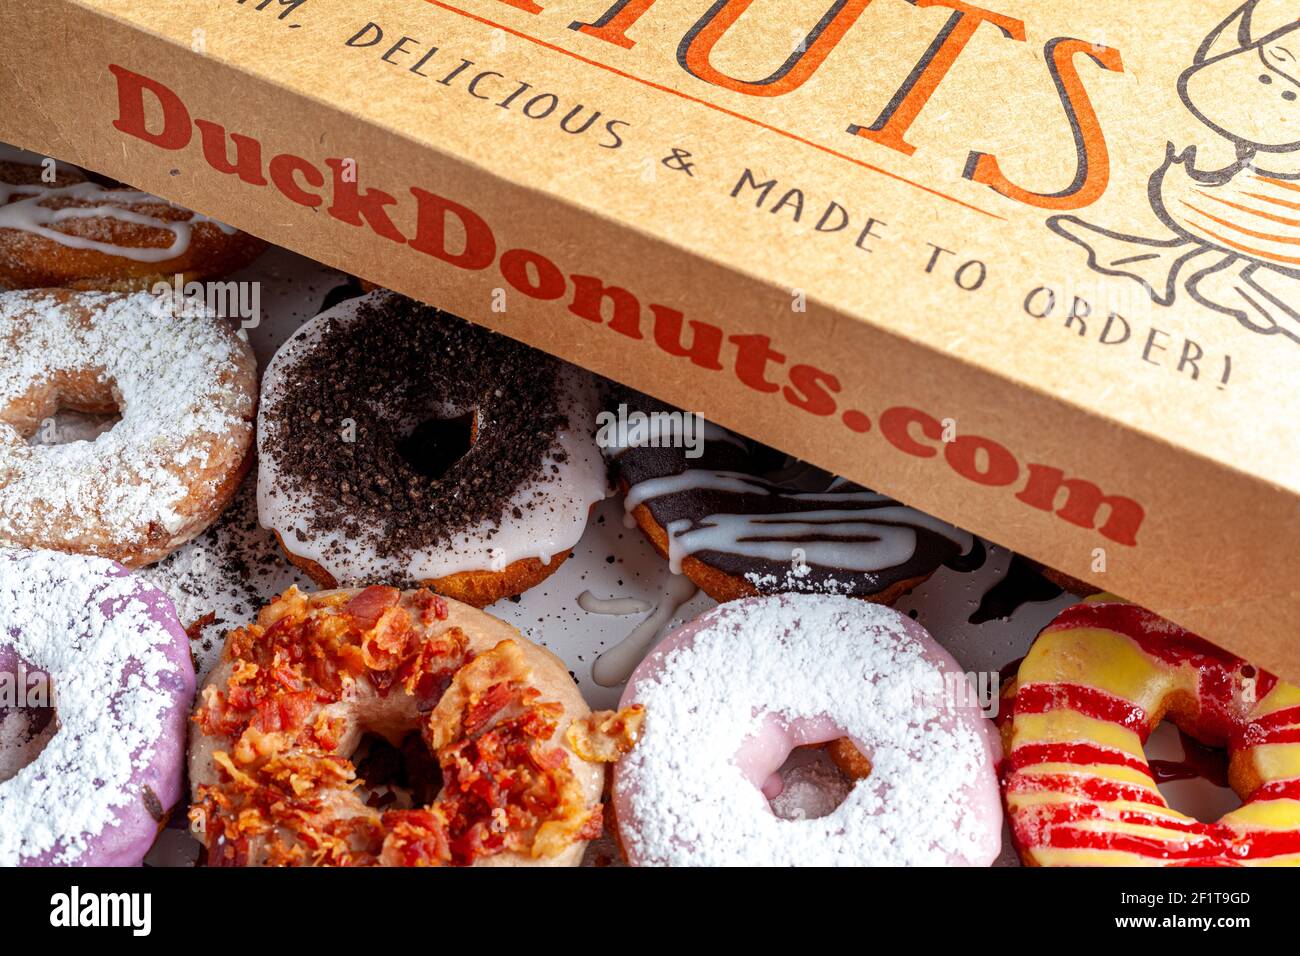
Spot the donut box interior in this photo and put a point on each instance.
(1065, 324)
(986, 618)
(1029, 269)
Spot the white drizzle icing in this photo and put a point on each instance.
(26, 208)
(616, 665)
(614, 606)
(862, 540)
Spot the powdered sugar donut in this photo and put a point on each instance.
(119, 665)
(58, 228)
(398, 443)
(185, 385)
(728, 696)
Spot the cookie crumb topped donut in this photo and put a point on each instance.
(730, 695)
(281, 718)
(118, 665)
(59, 228)
(398, 443)
(185, 385)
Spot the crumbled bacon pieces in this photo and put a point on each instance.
(605, 735)
(287, 797)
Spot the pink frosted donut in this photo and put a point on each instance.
(103, 774)
(728, 696)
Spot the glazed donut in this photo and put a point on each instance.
(359, 417)
(737, 532)
(98, 779)
(75, 233)
(185, 384)
(730, 695)
(1078, 788)
(283, 712)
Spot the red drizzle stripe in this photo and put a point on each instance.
(1068, 838)
(1077, 785)
(1226, 849)
(1029, 755)
(1156, 636)
(1089, 701)
(1279, 790)
(1048, 817)
(1286, 717)
(1283, 735)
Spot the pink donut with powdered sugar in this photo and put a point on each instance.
(91, 786)
(731, 694)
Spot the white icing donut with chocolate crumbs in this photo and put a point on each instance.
(731, 694)
(185, 385)
(345, 402)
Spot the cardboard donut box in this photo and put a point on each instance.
(1033, 267)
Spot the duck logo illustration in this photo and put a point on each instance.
(1235, 243)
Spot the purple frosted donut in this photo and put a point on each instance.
(106, 769)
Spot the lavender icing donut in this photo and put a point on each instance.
(731, 694)
(103, 774)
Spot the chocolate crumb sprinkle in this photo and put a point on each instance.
(367, 389)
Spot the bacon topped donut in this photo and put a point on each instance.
(1078, 787)
(60, 228)
(280, 720)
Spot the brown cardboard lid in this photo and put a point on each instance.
(1036, 271)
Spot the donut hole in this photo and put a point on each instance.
(434, 444)
(28, 720)
(69, 425)
(1191, 776)
(809, 785)
(73, 408)
(396, 776)
(805, 767)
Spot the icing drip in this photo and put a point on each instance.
(616, 606)
(616, 665)
(41, 209)
(1022, 584)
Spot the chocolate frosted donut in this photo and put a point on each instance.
(742, 520)
(401, 444)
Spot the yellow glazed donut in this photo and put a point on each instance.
(1077, 784)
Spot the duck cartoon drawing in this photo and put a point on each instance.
(1235, 230)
